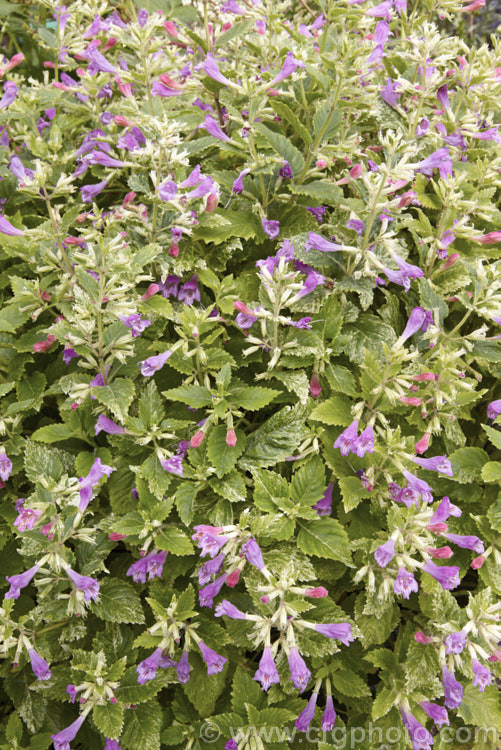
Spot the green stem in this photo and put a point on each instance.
(57, 235)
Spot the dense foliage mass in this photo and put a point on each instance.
(249, 346)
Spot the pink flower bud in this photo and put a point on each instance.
(453, 257)
(272, 92)
(212, 201)
(477, 562)
(129, 197)
(43, 346)
(74, 240)
(113, 700)
(318, 593)
(475, 5)
(440, 553)
(242, 308)
(437, 527)
(45, 296)
(123, 121)
(410, 400)
(420, 637)
(167, 81)
(406, 198)
(75, 405)
(496, 656)
(315, 387)
(425, 376)
(49, 64)
(109, 43)
(265, 599)
(233, 578)
(422, 445)
(226, 26)
(150, 292)
(171, 29)
(115, 536)
(320, 164)
(174, 250)
(197, 439)
(489, 239)
(231, 438)
(356, 171)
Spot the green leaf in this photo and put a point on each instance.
(308, 483)
(481, 709)
(40, 461)
(109, 719)
(11, 317)
(493, 435)
(241, 224)
(296, 382)
(283, 147)
(203, 690)
(368, 332)
(231, 486)
(118, 602)
(491, 471)
(384, 702)
(467, 464)
(494, 512)
(326, 121)
(324, 537)
(158, 479)
(352, 491)
(31, 388)
(335, 411)
(185, 498)
(269, 487)
(117, 396)
(245, 689)
(240, 29)
(323, 192)
(253, 398)
(276, 439)
(196, 396)
(284, 111)
(349, 683)
(221, 456)
(53, 433)
(142, 727)
(174, 541)
(340, 379)
(151, 409)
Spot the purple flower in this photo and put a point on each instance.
(385, 553)
(209, 540)
(214, 661)
(174, 465)
(18, 169)
(365, 442)
(210, 68)
(207, 594)
(26, 519)
(453, 690)
(324, 505)
(98, 63)
(193, 178)
(39, 665)
(317, 242)
(437, 713)
(341, 631)
(443, 96)
(415, 322)
(231, 6)
(104, 424)
(299, 672)
(72, 692)
(267, 673)
(271, 228)
(7, 228)
(19, 581)
(317, 212)
(238, 184)
(5, 467)
(88, 586)
(482, 676)
(253, 554)
(421, 738)
(347, 439)
(89, 192)
(493, 411)
(183, 669)
(329, 716)
(466, 542)
(152, 565)
(437, 463)
(10, 93)
(167, 190)
(189, 291)
(229, 609)
(286, 171)
(440, 160)
(383, 10)
(306, 716)
(356, 224)
(405, 583)
(135, 323)
(455, 642)
(418, 485)
(303, 323)
(447, 576)
(97, 472)
(151, 365)
(68, 355)
(169, 287)
(210, 568)
(142, 17)
(289, 66)
(98, 157)
(231, 744)
(147, 669)
(205, 187)
(313, 280)
(113, 744)
(211, 126)
(62, 739)
(245, 321)
(444, 510)
(422, 127)
(390, 94)
(160, 89)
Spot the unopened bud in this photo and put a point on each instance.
(477, 562)
(231, 438)
(212, 201)
(420, 637)
(315, 387)
(410, 400)
(317, 593)
(150, 292)
(174, 250)
(422, 445)
(197, 439)
(233, 578)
